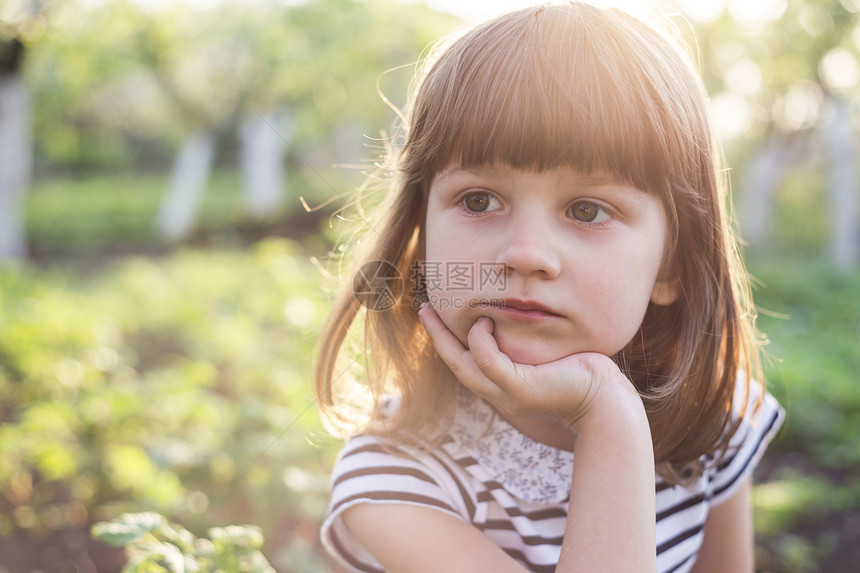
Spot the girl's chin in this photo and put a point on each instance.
(527, 352)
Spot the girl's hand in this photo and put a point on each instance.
(560, 390)
(610, 524)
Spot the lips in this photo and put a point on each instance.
(525, 308)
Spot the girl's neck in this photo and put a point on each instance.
(553, 433)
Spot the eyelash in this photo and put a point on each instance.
(582, 202)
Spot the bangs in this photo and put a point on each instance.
(542, 88)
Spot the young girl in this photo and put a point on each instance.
(575, 392)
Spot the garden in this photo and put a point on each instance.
(156, 398)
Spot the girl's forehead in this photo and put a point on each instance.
(573, 175)
(546, 89)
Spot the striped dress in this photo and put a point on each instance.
(516, 490)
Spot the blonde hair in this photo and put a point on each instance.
(596, 90)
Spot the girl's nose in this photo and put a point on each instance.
(530, 248)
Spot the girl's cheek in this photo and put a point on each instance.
(455, 320)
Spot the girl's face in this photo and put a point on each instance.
(562, 262)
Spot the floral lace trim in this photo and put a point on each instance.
(527, 469)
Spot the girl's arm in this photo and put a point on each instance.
(610, 524)
(412, 539)
(728, 543)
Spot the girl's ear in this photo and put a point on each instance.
(665, 292)
(667, 287)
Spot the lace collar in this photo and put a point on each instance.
(527, 469)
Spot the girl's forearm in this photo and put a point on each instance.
(611, 524)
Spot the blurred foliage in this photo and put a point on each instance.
(156, 546)
(812, 314)
(125, 96)
(811, 503)
(90, 215)
(770, 65)
(178, 385)
(157, 70)
(181, 384)
(79, 217)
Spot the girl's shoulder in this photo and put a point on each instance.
(379, 469)
(759, 418)
(372, 446)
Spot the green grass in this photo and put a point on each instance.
(811, 315)
(85, 216)
(115, 214)
(180, 382)
(177, 384)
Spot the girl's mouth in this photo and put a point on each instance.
(524, 309)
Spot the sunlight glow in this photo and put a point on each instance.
(744, 77)
(755, 13)
(799, 108)
(700, 11)
(730, 114)
(840, 70)
(816, 20)
(478, 10)
(697, 10)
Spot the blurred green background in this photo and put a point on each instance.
(159, 304)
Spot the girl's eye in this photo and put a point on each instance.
(480, 201)
(588, 212)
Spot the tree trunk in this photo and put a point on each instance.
(842, 152)
(187, 186)
(16, 161)
(261, 158)
(763, 177)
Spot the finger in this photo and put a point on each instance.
(446, 343)
(491, 361)
(516, 381)
(458, 358)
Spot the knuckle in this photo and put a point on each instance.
(483, 361)
(456, 368)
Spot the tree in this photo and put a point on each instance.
(15, 142)
(784, 75)
(166, 79)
